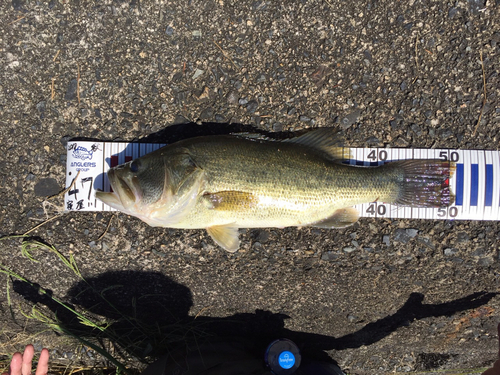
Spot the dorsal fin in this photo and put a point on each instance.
(254, 136)
(327, 140)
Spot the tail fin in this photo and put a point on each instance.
(425, 183)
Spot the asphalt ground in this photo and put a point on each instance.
(388, 73)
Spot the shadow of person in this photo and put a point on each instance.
(146, 314)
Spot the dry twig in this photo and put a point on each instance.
(226, 55)
(52, 91)
(42, 223)
(17, 20)
(57, 54)
(107, 228)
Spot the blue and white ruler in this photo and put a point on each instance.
(476, 182)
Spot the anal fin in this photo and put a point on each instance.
(341, 218)
(226, 236)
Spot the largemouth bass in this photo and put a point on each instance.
(222, 183)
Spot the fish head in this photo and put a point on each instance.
(159, 188)
(137, 186)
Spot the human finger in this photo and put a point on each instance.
(15, 365)
(29, 351)
(43, 363)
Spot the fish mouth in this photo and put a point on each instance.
(122, 188)
(122, 195)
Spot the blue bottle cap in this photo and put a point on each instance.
(286, 359)
(283, 357)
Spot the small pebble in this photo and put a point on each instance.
(260, 78)
(46, 187)
(329, 255)
(232, 97)
(207, 114)
(349, 249)
(462, 237)
(412, 232)
(41, 106)
(252, 106)
(479, 252)
(449, 251)
(386, 240)
(427, 242)
(404, 235)
(197, 73)
(350, 119)
(352, 318)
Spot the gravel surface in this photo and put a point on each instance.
(381, 296)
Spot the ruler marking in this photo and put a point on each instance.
(467, 184)
(481, 193)
(488, 188)
(459, 188)
(472, 183)
(488, 193)
(474, 176)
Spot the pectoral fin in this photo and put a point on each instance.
(230, 200)
(226, 236)
(341, 218)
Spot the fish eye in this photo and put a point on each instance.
(134, 166)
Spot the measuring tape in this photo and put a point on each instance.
(476, 182)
